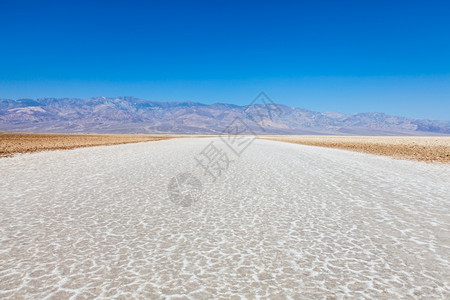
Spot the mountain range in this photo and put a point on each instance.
(133, 115)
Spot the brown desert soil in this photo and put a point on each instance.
(12, 143)
(428, 149)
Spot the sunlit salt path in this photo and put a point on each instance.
(283, 221)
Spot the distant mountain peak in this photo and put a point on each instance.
(129, 114)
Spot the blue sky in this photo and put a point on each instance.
(347, 56)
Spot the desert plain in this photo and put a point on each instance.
(420, 148)
(279, 221)
(22, 142)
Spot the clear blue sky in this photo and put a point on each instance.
(347, 56)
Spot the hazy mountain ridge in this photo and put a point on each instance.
(133, 115)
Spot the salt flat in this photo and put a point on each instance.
(282, 221)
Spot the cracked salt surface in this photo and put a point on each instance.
(284, 221)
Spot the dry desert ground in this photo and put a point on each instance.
(280, 221)
(13, 143)
(420, 148)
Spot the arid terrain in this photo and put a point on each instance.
(13, 143)
(281, 221)
(429, 149)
